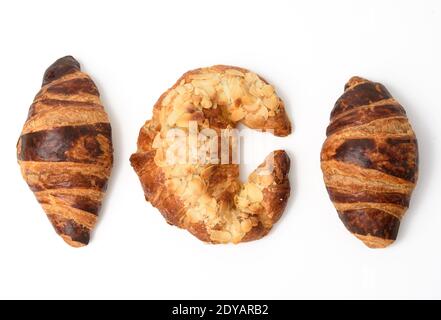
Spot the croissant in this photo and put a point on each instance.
(65, 150)
(206, 197)
(370, 162)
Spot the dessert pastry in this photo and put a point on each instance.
(202, 193)
(370, 161)
(65, 150)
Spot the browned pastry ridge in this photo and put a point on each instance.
(208, 199)
(370, 161)
(65, 150)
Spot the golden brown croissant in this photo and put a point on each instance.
(65, 150)
(207, 198)
(370, 161)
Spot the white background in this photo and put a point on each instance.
(135, 50)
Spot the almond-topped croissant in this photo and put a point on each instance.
(201, 192)
(65, 150)
(370, 161)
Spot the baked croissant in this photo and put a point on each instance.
(370, 161)
(65, 150)
(206, 197)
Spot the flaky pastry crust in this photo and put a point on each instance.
(65, 150)
(208, 199)
(370, 161)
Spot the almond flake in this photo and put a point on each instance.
(253, 193)
(234, 72)
(237, 114)
(157, 141)
(220, 236)
(251, 107)
(268, 90)
(271, 102)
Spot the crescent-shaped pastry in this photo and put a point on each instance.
(206, 197)
(65, 150)
(370, 161)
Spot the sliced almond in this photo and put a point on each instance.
(235, 229)
(181, 89)
(234, 72)
(253, 90)
(220, 236)
(206, 103)
(222, 98)
(195, 215)
(236, 90)
(157, 141)
(174, 116)
(246, 225)
(206, 85)
(169, 97)
(188, 87)
(259, 84)
(159, 158)
(251, 77)
(242, 202)
(248, 99)
(253, 192)
(196, 100)
(265, 180)
(200, 92)
(183, 120)
(237, 114)
(267, 90)
(178, 103)
(251, 107)
(262, 112)
(203, 76)
(271, 102)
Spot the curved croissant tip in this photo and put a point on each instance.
(355, 81)
(59, 68)
(280, 156)
(72, 243)
(283, 130)
(374, 242)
